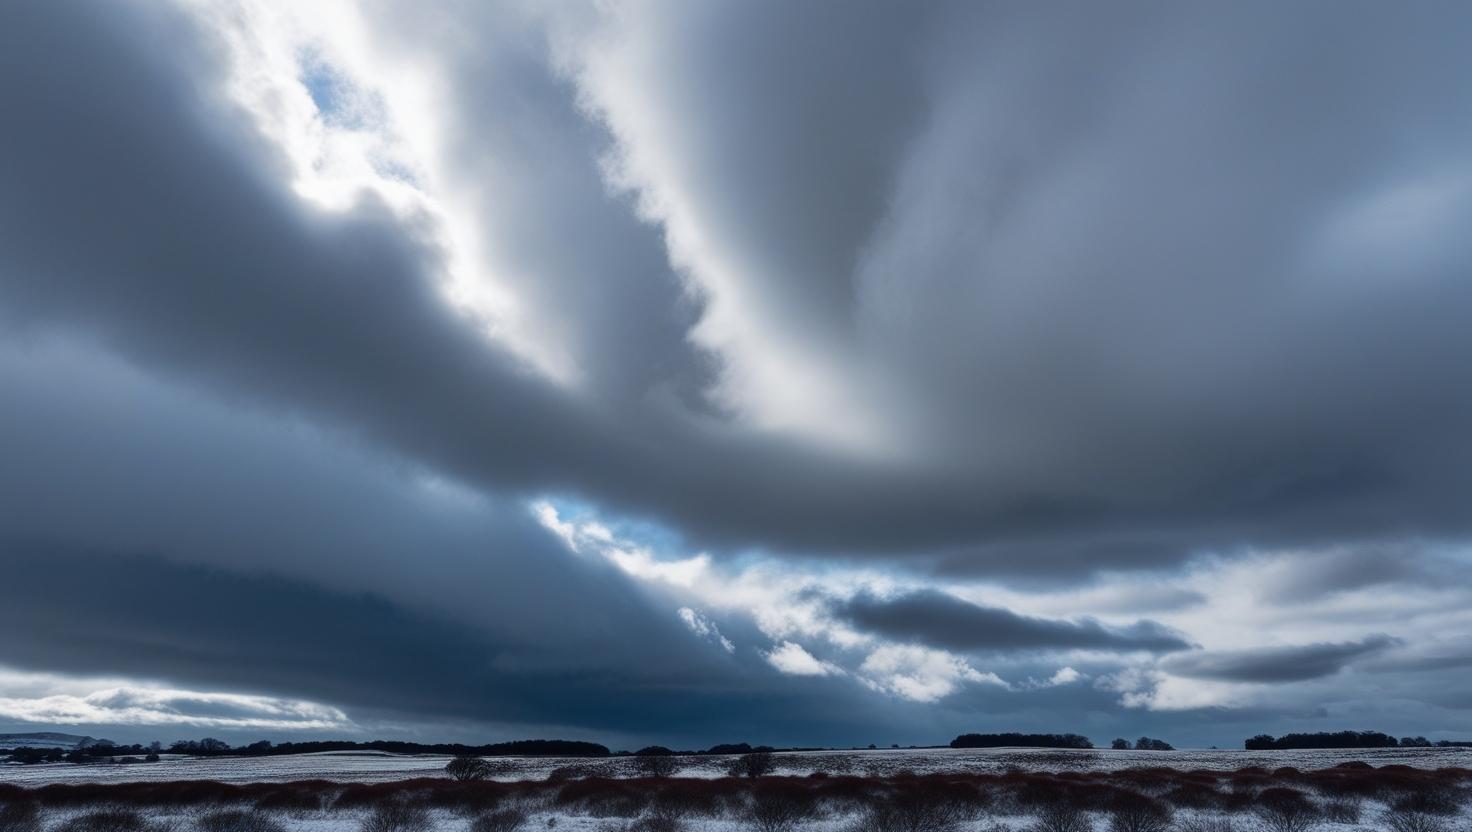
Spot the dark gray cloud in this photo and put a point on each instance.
(1277, 664)
(378, 659)
(943, 620)
(241, 288)
(1391, 567)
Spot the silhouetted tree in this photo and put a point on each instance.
(655, 761)
(1120, 744)
(468, 768)
(755, 764)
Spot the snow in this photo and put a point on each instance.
(376, 767)
(544, 816)
(442, 821)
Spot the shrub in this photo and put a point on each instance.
(1061, 817)
(755, 764)
(1343, 810)
(603, 798)
(655, 823)
(1429, 800)
(1134, 812)
(1120, 744)
(20, 817)
(107, 820)
(1194, 795)
(1411, 821)
(502, 820)
(677, 799)
(397, 816)
(655, 761)
(913, 812)
(777, 810)
(1286, 810)
(468, 768)
(235, 820)
(1205, 824)
(295, 797)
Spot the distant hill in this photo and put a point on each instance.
(46, 739)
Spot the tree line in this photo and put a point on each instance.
(1022, 740)
(1344, 739)
(209, 747)
(89, 753)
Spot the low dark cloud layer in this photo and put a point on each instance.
(1278, 664)
(943, 620)
(373, 656)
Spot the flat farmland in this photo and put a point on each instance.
(378, 767)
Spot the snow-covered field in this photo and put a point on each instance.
(175, 820)
(545, 811)
(360, 767)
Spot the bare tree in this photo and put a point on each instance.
(777, 811)
(468, 768)
(755, 764)
(655, 761)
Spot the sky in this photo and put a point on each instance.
(829, 373)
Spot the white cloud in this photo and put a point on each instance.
(638, 561)
(920, 673)
(705, 628)
(1155, 690)
(51, 699)
(1065, 676)
(792, 659)
(379, 129)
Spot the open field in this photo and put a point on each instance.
(993, 790)
(377, 767)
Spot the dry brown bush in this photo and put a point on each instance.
(1343, 810)
(1062, 817)
(1134, 812)
(402, 815)
(1286, 810)
(1411, 821)
(778, 809)
(238, 820)
(20, 816)
(111, 820)
(501, 820)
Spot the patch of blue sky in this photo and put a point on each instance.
(649, 534)
(338, 99)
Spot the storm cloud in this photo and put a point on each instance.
(946, 621)
(1277, 664)
(607, 359)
